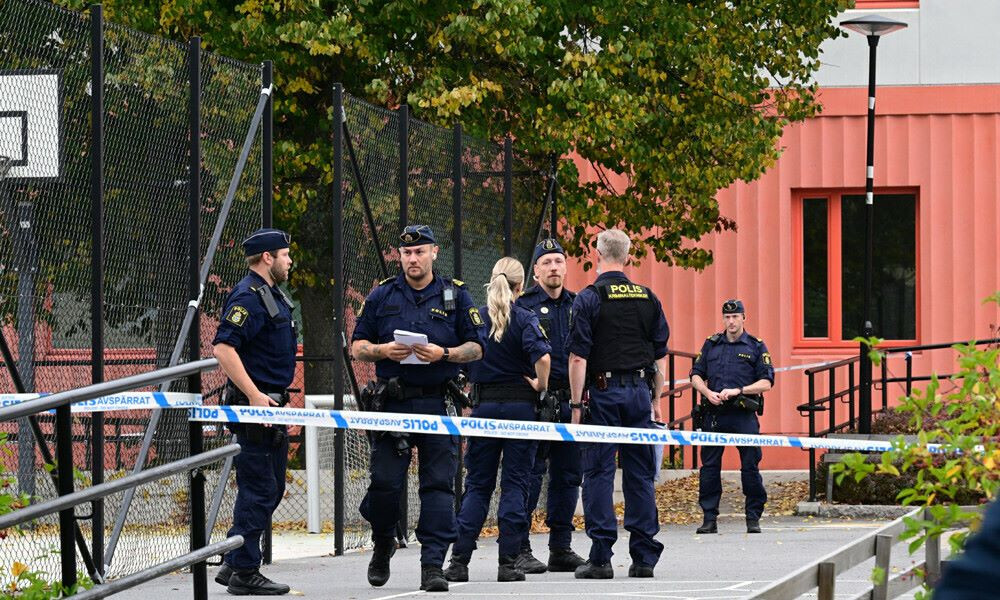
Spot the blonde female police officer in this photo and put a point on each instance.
(507, 383)
(255, 345)
(419, 301)
(731, 364)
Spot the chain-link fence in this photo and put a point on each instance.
(373, 212)
(46, 282)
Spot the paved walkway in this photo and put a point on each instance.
(729, 565)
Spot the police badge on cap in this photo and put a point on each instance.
(266, 239)
(417, 235)
(732, 306)
(546, 246)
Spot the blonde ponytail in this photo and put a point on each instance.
(507, 275)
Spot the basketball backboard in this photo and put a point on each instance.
(31, 123)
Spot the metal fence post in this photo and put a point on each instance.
(196, 482)
(404, 165)
(338, 317)
(97, 274)
(508, 197)
(456, 233)
(267, 151)
(812, 433)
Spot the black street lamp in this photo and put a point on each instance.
(873, 27)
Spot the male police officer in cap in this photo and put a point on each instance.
(553, 304)
(255, 345)
(419, 301)
(732, 370)
(617, 342)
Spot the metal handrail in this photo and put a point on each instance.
(103, 490)
(97, 390)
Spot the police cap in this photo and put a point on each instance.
(732, 306)
(417, 235)
(546, 246)
(266, 240)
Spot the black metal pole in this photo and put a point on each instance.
(508, 197)
(865, 396)
(812, 433)
(199, 536)
(369, 216)
(97, 273)
(554, 188)
(67, 520)
(456, 233)
(339, 290)
(404, 166)
(267, 150)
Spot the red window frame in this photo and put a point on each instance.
(833, 267)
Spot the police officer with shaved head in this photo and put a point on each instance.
(418, 301)
(617, 343)
(255, 345)
(731, 372)
(552, 303)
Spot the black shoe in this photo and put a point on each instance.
(589, 570)
(254, 584)
(509, 570)
(753, 526)
(526, 561)
(564, 560)
(223, 574)
(640, 570)
(432, 579)
(458, 569)
(378, 567)
(708, 526)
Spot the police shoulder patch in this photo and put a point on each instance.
(458, 282)
(477, 319)
(361, 309)
(541, 330)
(237, 315)
(387, 280)
(766, 357)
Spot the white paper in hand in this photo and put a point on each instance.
(408, 338)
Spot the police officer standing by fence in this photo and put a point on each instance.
(552, 303)
(618, 337)
(255, 345)
(731, 372)
(506, 385)
(421, 302)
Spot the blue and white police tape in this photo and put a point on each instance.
(125, 401)
(522, 430)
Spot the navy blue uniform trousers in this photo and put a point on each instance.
(710, 479)
(260, 485)
(562, 459)
(483, 459)
(624, 405)
(437, 457)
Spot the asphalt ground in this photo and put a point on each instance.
(731, 564)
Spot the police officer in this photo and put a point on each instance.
(419, 301)
(506, 385)
(975, 573)
(731, 371)
(552, 303)
(255, 345)
(617, 342)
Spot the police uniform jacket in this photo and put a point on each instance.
(513, 357)
(724, 364)
(554, 316)
(393, 305)
(618, 325)
(264, 336)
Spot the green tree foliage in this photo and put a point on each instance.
(682, 98)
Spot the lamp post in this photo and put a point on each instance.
(873, 27)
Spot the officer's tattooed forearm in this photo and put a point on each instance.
(367, 351)
(467, 352)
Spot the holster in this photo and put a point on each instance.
(255, 432)
(697, 417)
(749, 402)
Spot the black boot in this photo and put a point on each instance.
(589, 570)
(640, 570)
(708, 526)
(378, 567)
(564, 560)
(458, 569)
(753, 526)
(527, 562)
(508, 569)
(432, 579)
(252, 583)
(223, 574)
